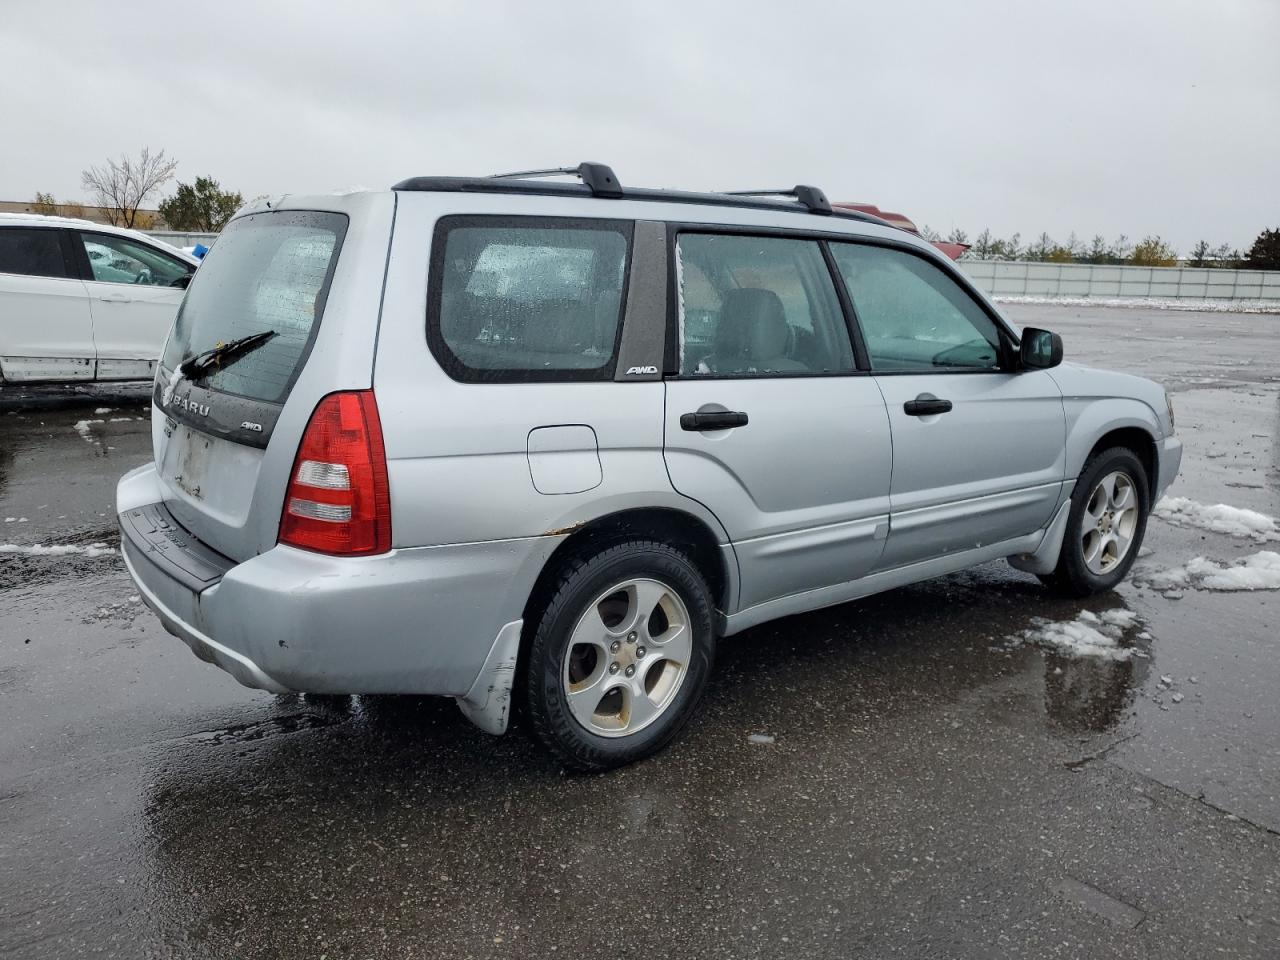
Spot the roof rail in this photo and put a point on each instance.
(598, 177)
(809, 197)
(598, 180)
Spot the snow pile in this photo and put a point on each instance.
(1160, 303)
(1089, 635)
(57, 549)
(1218, 518)
(1258, 571)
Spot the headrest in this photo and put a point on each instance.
(753, 325)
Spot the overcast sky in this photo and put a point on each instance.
(1151, 116)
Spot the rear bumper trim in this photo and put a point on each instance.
(152, 530)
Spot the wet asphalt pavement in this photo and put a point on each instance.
(933, 788)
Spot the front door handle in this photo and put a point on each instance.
(926, 405)
(115, 298)
(712, 420)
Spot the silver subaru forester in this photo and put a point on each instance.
(530, 441)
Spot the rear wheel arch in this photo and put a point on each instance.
(683, 531)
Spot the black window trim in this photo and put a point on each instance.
(451, 364)
(81, 255)
(671, 362)
(69, 265)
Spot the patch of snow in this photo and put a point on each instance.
(1089, 635)
(101, 410)
(1160, 303)
(82, 428)
(172, 384)
(1217, 518)
(1258, 571)
(1124, 619)
(57, 549)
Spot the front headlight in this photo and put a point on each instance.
(1168, 405)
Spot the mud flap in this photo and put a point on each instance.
(488, 703)
(1045, 558)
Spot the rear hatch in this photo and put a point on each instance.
(282, 311)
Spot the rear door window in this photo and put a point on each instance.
(758, 307)
(32, 252)
(268, 272)
(527, 300)
(115, 259)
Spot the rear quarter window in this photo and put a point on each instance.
(267, 272)
(527, 299)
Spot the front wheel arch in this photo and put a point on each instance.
(1135, 439)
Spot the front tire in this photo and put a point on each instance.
(1108, 519)
(620, 656)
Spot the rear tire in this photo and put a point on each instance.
(620, 656)
(1108, 519)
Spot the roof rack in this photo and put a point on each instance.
(810, 197)
(598, 177)
(599, 180)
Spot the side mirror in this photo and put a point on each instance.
(183, 281)
(1040, 349)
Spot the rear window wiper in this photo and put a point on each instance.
(222, 355)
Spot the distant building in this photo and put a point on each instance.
(147, 219)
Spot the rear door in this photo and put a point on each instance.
(134, 292)
(45, 327)
(768, 422)
(978, 448)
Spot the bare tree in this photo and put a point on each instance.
(121, 187)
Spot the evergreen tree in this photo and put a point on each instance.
(983, 246)
(203, 207)
(1265, 252)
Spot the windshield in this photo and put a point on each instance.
(269, 272)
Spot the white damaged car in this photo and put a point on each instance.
(84, 301)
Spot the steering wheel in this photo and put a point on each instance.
(144, 276)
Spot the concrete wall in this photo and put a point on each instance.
(1011, 278)
(177, 239)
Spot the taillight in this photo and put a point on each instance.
(338, 499)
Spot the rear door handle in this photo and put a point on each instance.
(712, 420)
(115, 298)
(926, 405)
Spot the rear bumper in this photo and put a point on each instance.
(1169, 459)
(421, 621)
(160, 591)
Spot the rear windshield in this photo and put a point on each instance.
(267, 272)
